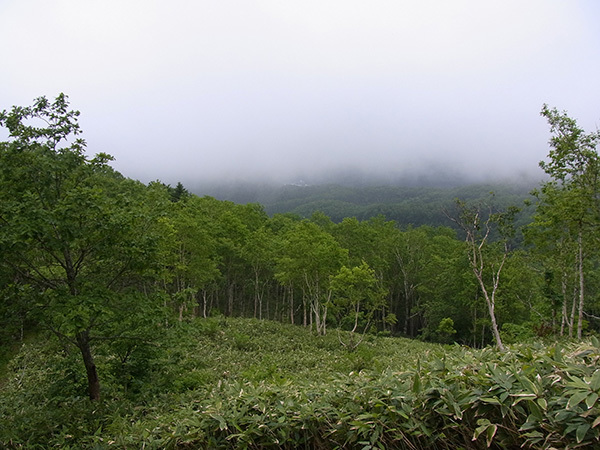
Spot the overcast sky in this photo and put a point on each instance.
(200, 90)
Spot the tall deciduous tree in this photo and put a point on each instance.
(356, 296)
(259, 251)
(486, 258)
(192, 258)
(569, 204)
(71, 227)
(310, 256)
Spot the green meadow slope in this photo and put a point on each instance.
(245, 383)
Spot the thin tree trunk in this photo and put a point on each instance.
(291, 291)
(230, 299)
(573, 309)
(83, 343)
(304, 311)
(491, 299)
(495, 330)
(256, 294)
(565, 318)
(475, 323)
(581, 286)
(315, 313)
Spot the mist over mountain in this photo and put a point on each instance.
(265, 190)
(219, 95)
(410, 201)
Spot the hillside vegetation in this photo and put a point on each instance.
(245, 383)
(110, 287)
(406, 205)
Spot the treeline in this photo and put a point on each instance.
(406, 205)
(92, 255)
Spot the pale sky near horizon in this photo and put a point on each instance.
(258, 89)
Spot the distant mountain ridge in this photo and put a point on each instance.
(407, 205)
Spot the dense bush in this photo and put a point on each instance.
(239, 383)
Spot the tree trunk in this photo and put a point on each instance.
(495, 330)
(83, 343)
(491, 304)
(291, 292)
(573, 309)
(581, 286)
(230, 299)
(256, 288)
(565, 318)
(304, 311)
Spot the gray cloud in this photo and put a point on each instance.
(206, 90)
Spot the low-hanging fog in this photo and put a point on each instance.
(266, 90)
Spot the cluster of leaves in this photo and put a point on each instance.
(243, 383)
(536, 398)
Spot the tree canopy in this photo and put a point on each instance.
(93, 256)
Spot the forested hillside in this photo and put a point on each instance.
(406, 205)
(104, 264)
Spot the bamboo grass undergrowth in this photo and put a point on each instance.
(244, 383)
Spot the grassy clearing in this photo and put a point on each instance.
(240, 383)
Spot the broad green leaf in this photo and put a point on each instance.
(576, 399)
(542, 403)
(581, 432)
(530, 386)
(490, 433)
(578, 383)
(491, 400)
(534, 436)
(591, 400)
(595, 381)
(563, 415)
(483, 425)
(530, 424)
(520, 397)
(221, 420)
(416, 387)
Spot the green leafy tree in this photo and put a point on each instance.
(259, 250)
(309, 257)
(556, 247)
(447, 289)
(356, 296)
(72, 228)
(179, 192)
(410, 256)
(235, 227)
(192, 262)
(569, 205)
(370, 241)
(487, 258)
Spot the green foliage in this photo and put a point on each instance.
(75, 233)
(123, 272)
(514, 333)
(565, 225)
(405, 205)
(289, 391)
(446, 327)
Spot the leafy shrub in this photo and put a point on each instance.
(242, 341)
(206, 393)
(512, 333)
